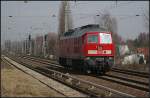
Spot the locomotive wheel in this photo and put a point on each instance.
(83, 70)
(102, 72)
(88, 70)
(69, 67)
(98, 72)
(80, 70)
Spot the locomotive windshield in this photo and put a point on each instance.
(92, 39)
(105, 38)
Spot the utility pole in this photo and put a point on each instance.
(35, 47)
(116, 3)
(7, 45)
(29, 45)
(26, 46)
(23, 47)
(45, 45)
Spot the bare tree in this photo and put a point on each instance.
(110, 23)
(52, 38)
(146, 18)
(142, 40)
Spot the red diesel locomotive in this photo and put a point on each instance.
(89, 48)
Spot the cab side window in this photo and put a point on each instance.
(92, 39)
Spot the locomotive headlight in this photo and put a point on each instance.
(107, 51)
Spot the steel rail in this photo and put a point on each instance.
(127, 79)
(45, 60)
(33, 76)
(4, 60)
(130, 72)
(133, 71)
(90, 87)
(124, 81)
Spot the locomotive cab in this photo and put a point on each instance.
(98, 50)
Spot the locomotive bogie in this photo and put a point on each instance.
(92, 64)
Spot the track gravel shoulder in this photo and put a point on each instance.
(98, 80)
(15, 83)
(62, 89)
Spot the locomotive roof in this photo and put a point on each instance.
(82, 30)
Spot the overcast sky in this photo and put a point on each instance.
(36, 16)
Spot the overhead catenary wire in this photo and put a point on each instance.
(108, 8)
(112, 5)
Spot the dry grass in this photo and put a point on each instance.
(18, 84)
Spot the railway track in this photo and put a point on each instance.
(13, 66)
(85, 86)
(125, 71)
(117, 79)
(127, 82)
(131, 72)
